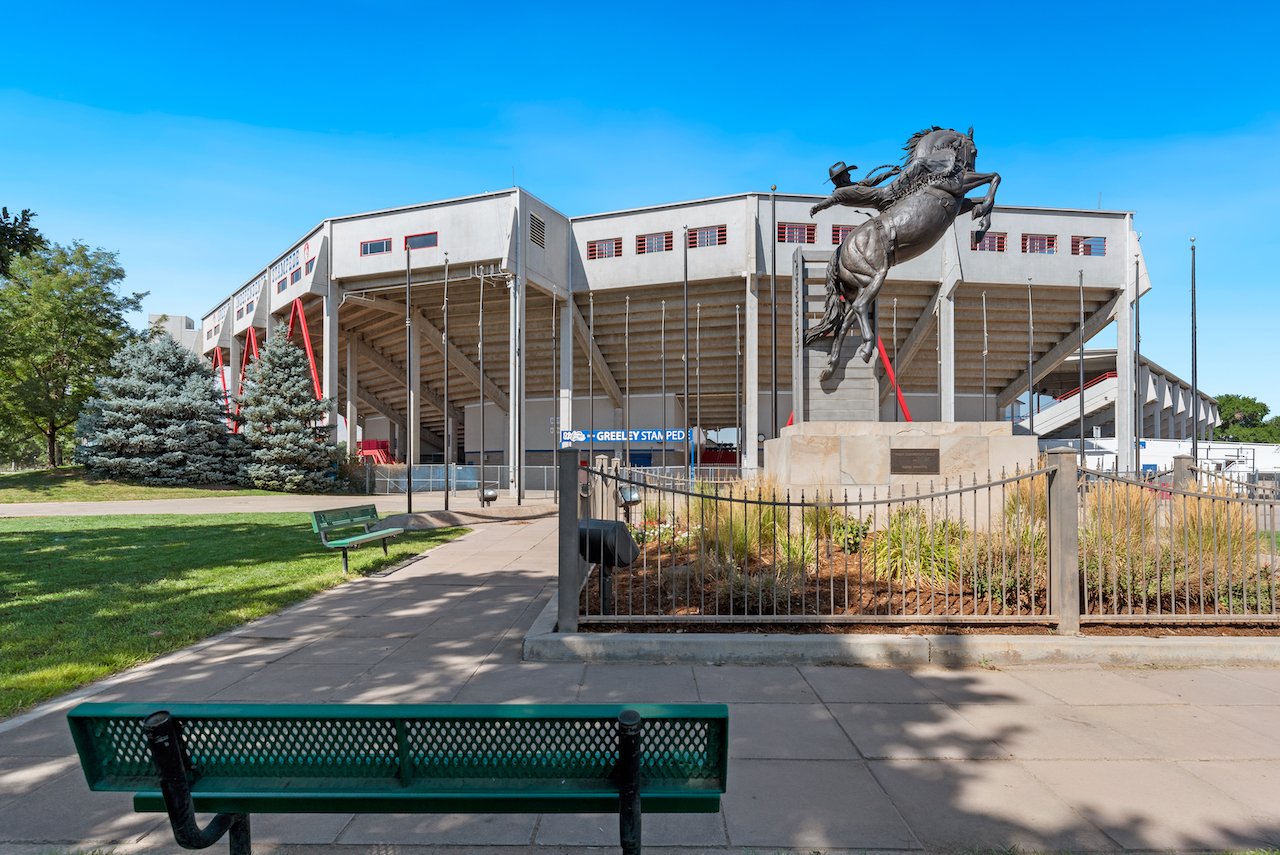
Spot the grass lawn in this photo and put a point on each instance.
(84, 597)
(72, 485)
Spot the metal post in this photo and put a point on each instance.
(409, 444)
(697, 355)
(626, 381)
(1080, 387)
(737, 382)
(897, 407)
(1195, 378)
(773, 314)
(449, 426)
(591, 376)
(480, 350)
(1137, 371)
(1064, 533)
(567, 593)
(662, 357)
(1031, 379)
(629, 724)
(684, 358)
(986, 351)
(555, 386)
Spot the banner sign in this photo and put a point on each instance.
(569, 437)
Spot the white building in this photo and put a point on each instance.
(575, 309)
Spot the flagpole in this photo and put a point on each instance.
(986, 391)
(773, 314)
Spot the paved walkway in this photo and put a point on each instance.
(464, 502)
(823, 759)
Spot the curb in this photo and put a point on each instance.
(543, 644)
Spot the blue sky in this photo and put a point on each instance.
(198, 141)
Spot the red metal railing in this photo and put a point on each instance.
(1094, 382)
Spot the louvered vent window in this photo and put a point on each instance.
(797, 232)
(537, 231)
(708, 236)
(1088, 245)
(656, 242)
(839, 233)
(607, 248)
(1040, 244)
(991, 242)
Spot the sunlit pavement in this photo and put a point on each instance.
(822, 758)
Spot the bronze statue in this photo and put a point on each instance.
(916, 209)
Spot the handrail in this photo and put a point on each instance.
(1095, 381)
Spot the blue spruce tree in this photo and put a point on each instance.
(161, 421)
(287, 449)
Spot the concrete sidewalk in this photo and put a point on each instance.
(465, 505)
(824, 759)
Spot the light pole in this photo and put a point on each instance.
(449, 426)
(409, 443)
(1080, 369)
(773, 313)
(1137, 370)
(1195, 385)
(1031, 378)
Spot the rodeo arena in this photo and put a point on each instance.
(767, 409)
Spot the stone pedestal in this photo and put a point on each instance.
(882, 455)
(852, 393)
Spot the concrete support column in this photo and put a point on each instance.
(947, 356)
(1064, 522)
(564, 394)
(329, 361)
(353, 382)
(751, 374)
(413, 440)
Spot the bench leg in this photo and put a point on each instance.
(164, 739)
(384, 545)
(344, 562)
(629, 781)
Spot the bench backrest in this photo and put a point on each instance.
(343, 517)
(541, 748)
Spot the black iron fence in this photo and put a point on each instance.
(1057, 545)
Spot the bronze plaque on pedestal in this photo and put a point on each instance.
(914, 461)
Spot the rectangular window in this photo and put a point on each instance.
(607, 248)
(839, 233)
(991, 242)
(708, 236)
(240, 312)
(1040, 244)
(422, 241)
(295, 276)
(656, 242)
(1088, 245)
(248, 308)
(375, 247)
(797, 232)
(537, 230)
(282, 284)
(311, 265)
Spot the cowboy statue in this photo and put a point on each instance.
(914, 211)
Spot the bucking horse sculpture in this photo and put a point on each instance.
(915, 210)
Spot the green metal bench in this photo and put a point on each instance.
(237, 759)
(338, 519)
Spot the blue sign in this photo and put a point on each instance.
(569, 437)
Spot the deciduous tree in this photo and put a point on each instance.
(62, 322)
